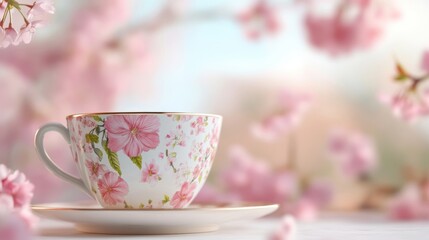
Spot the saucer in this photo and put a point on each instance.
(91, 218)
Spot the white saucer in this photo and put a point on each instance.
(194, 219)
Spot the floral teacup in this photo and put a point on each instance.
(138, 160)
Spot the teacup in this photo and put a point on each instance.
(138, 160)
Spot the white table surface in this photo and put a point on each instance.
(366, 226)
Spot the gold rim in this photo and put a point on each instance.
(211, 207)
(139, 113)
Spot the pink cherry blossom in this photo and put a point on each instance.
(304, 209)
(87, 148)
(6, 200)
(354, 152)
(26, 32)
(214, 136)
(88, 122)
(319, 192)
(286, 230)
(292, 108)
(176, 137)
(184, 196)
(353, 24)
(198, 126)
(253, 180)
(10, 37)
(196, 172)
(16, 185)
(260, 19)
(112, 188)
(40, 7)
(25, 18)
(16, 218)
(150, 172)
(132, 133)
(407, 205)
(13, 225)
(95, 169)
(407, 107)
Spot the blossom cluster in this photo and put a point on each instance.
(286, 230)
(292, 107)
(353, 24)
(19, 20)
(411, 101)
(353, 152)
(252, 180)
(16, 192)
(411, 203)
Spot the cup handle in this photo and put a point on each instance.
(38, 143)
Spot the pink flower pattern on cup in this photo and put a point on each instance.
(96, 169)
(117, 147)
(198, 125)
(183, 196)
(112, 188)
(151, 172)
(134, 134)
(177, 137)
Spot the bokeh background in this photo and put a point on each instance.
(233, 58)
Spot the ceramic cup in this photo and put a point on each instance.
(138, 160)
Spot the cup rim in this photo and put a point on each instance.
(141, 113)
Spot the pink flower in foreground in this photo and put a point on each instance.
(150, 172)
(354, 152)
(16, 185)
(292, 108)
(184, 196)
(132, 133)
(112, 188)
(286, 230)
(13, 225)
(354, 24)
(16, 218)
(96, 169)
(408, 205)
(259, 19)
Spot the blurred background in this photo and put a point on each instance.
(297, 81)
